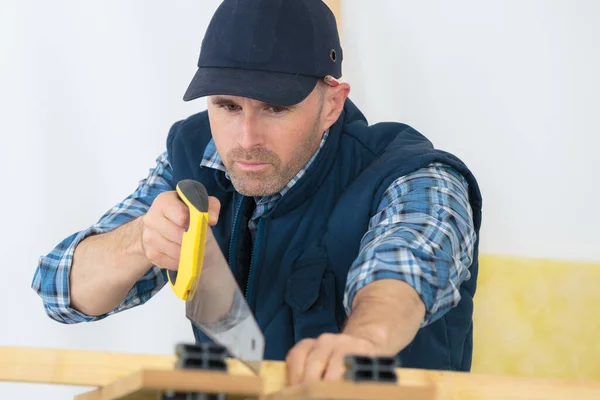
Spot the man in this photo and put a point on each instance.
(345, 237)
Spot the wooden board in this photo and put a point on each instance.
(353, 391)
(99, 368)
(151, 384)
(74, 367)
(470, 386)
(94, 368)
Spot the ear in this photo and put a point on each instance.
(335, 98)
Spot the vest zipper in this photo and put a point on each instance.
(232, 243)
(250, 281)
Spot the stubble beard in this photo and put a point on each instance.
(258, 184)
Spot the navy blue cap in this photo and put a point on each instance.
(273, 51)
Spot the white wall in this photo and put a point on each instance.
(88, 91)
(512, 87)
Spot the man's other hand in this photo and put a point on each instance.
(323, 358)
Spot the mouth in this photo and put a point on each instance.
(251, 165)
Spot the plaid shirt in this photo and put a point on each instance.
(422, 234)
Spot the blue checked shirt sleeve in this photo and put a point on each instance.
(422, 234)
(51, 278)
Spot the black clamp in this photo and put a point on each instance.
(371, 369)
(204, 356)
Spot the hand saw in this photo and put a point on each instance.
(214, 302)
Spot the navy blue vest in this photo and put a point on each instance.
(295, 271)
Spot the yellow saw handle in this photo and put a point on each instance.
(185, 279)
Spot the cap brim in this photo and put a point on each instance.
(274, 88)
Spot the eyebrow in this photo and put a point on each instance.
(224, 100)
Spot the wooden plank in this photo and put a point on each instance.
(93, 368)
(150, 384)
(353, 391)
(98, 368)
(471, 386)
(74, 367)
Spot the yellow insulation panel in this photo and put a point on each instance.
(537, 318)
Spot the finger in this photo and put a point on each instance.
(168, 230)
(168, 262)
(316, 362)
(296, 359)
(175, 210)
(156, 257)
(214, 208)
(168, 248)
(156, 247)
(336, 367)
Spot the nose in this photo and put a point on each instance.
(249, 135)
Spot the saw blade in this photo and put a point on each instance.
(215, 303)
(218, 308)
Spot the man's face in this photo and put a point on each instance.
(264, 146)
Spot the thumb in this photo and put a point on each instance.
(214, 208)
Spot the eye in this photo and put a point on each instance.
(229, 106)
(277, 109)
(232, 107)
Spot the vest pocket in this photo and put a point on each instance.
(310, 293)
